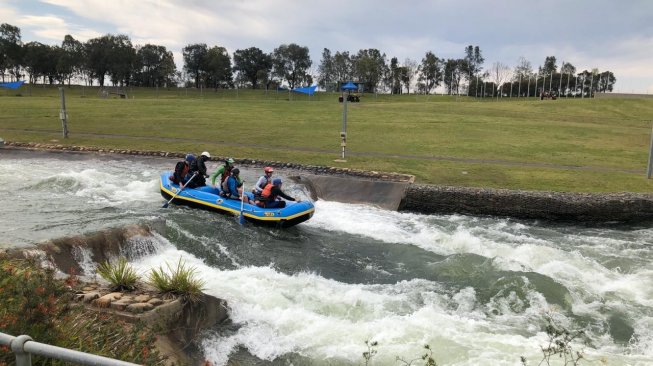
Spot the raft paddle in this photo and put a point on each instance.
(165, 205)
(241, 219)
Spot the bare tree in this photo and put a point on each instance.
(523, 69)
(410, 67)
(500, 73)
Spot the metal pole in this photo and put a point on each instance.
(23, 358)
(343, 134)
(63, 115)
(650, 158)
(560, 86)
(576, 86)
(519, 87)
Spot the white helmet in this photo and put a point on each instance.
(206, 153)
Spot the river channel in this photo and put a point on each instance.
(478, 290)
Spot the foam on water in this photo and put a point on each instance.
(511, 246)
(328, 321)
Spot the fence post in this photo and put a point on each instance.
(17, 346)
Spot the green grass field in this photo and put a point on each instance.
(580, 145)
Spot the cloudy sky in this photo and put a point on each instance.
(604, 34)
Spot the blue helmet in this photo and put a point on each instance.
(190, 158)
(276, 181)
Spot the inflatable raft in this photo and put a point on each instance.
(209, 198)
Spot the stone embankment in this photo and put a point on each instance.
(131, 302)
(313, 169)
(556, 206)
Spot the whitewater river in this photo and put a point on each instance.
(478, 290)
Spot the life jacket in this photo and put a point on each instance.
(268, 180)
(181, 169)
(266, 194)
(226, 173)
(225, 185)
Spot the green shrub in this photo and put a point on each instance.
(180, 281)
(120, 274)
(33, 302)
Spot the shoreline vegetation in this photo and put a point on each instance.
(147, 318)
(597, 145)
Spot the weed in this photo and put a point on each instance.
(559, 344)
(371, 351)
(120, 274)
(180, 281)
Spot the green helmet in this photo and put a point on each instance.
(230, 160)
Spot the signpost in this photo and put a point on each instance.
(343, 133)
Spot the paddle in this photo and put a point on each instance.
(241, 219)
(165, 205)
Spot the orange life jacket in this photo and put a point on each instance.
(267, 191)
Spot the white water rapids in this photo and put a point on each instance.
(477, 290)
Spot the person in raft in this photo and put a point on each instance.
(181, 174)
(199, 166)
(223, 172)
(269, 198)
(233, 188)
(263, 181)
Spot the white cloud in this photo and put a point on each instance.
(616, 37)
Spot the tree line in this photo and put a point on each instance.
(115, 59)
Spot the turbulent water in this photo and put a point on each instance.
(478, 290)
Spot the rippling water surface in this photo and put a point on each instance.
(478, 290)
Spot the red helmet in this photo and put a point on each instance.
(268, 169)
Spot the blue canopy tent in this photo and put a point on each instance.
(12, 85)
(310, 90)
(349, 86)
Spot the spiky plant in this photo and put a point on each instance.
(120, 274)
(180, 281)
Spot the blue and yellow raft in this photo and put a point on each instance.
(208, 198)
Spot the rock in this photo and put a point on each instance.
(106, 300)
(139, 307)
(143, 298)
(90, 296)
(102, 302)
(156, 301)
(121, 304)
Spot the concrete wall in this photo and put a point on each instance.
(348, 189)
(576, 207)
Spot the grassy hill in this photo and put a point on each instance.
(586, 145)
